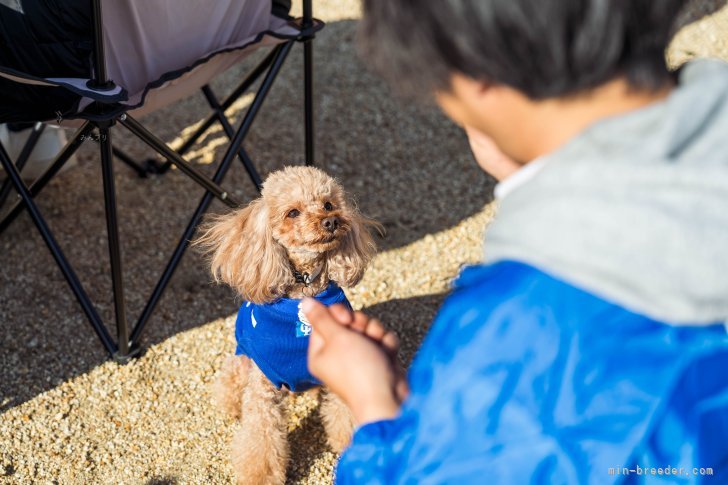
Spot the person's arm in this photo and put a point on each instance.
(434, 438)
(471, 415)
(461, 423)
(476, 395)
(430, 438)
(519, 382)
(354, 356)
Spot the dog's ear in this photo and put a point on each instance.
(347, 263)
(243, 253)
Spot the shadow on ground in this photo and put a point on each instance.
(406, 165)
(306, 442)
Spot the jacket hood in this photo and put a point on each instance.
(635, 208)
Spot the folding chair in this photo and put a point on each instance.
(116, 93)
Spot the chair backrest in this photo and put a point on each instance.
(163, 50)
(158, 51)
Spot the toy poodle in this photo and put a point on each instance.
(301, 237)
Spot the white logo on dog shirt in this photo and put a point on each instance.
(303, 326)
(303, 330)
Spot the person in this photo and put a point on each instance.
(590, 345)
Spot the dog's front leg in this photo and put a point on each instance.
(338, 421)
(227, 390)
(260, 449)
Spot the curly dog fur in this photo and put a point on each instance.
(302, 221)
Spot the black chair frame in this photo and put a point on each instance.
(98, 127)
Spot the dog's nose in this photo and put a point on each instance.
(330, 223)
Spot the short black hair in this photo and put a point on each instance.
(543, 48)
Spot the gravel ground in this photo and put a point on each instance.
(70, 416)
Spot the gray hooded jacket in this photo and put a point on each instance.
(635, 208)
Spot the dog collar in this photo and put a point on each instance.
(307, 278)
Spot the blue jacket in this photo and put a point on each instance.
(518, 382)
(275, 336)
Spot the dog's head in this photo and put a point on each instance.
(301, 209)
(306, 210)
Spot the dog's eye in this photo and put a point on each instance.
(328, 206)
(293, 213)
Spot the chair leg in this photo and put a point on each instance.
(22, 158)
(123, 353)
(308, 82)
(234, 148)
(43, 180)
(58, 255)
(174, 260)
(282, 52)
(219, 112)
(155, 167)
(163, 149)
(308, 99)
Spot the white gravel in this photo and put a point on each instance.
(69, 416)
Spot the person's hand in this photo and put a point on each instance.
(489, 156)
(355, 357)
(371, 327)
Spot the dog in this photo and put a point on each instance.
(301, 237)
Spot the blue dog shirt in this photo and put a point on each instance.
(275, 336)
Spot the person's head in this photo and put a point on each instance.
(540, 49)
